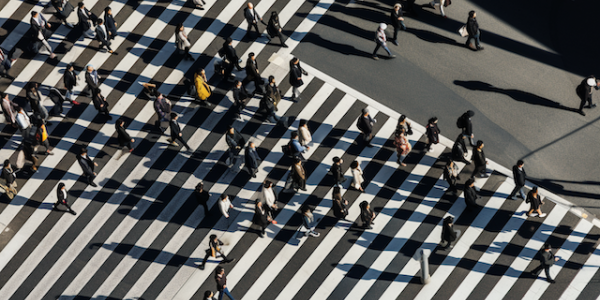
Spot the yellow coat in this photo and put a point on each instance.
(202, 88)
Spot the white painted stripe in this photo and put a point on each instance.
(8, 10)
(583, 277)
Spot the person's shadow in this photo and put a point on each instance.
(518, 95)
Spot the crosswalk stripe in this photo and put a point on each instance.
(580, 281)
(22, 27)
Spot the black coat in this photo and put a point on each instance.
(584, 90)
(339, 208)
(470, 197)
(336, 170)
(478, 158)
(252, 158)
(61, 196)
(394, 17)
(100, 100)
(251, 15)
(459, 149)
(92, 80)
(235, 140)
(519, 176)
(252, 69)
(101, 36)
(87, 165)
(70, 80)
(175, 129)
(365, 124)
(448, 233)
(122, 135)
(273, 27)
(433, 133)
(366, 216)
(84, 19)
(8, 175)
(109, 21)
(230, 53)
(295, 73)
(260, 217)
(547, 258)
(472, 27)
(468, 129)
(240, 95)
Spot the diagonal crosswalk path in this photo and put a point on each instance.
(141, 234)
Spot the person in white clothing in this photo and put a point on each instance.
(304, 133)
(439, 3)
(24, 123)
(357, 176)
(381, 41)
(182, 42)
(225, 205)
(268, 196)
(38, 25)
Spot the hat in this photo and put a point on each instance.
(382, 26)
(591, 81)
(470, 113)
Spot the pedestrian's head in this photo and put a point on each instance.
(520, 163)
(472, 14)
(7, 163)
(69, 67)
(448, 220)
(365, 111)
(20, 109)
(302, 123)
(220, 270)
(179, 27)
(108, 10)
(382, 26)
(90, 68)
(274, 15)
(479, 144)
(238, 84)
(294, 61)
(174, 116)
(208, 295)
(336, 159)
(33, 85)
(363, 205)
(294, 135)
(34, 14)
(470, 182)
(534, 190)
(397, 6)
(3, 95)
(547, 246)
(258, 204)
(354, 164)
(80, 5)
(213, 237)
(228, 41)
(401, 119)
(251, 145)
(200, 186)
(61, 186)
(84, 151)
(267, 184)
(251, 55)
(250, 5)
(592, 81)
(306, 210)
(120, 122)
(223, 197)
(159, 96)
(231, 130)
(271, 79)
(433, 120)
(100, 21)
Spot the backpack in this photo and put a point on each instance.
(460, 123)
(221, 52)
(287, 149)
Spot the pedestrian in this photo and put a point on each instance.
(296, 73)
(235, 142)
(269, 197)
(11, 180)
(403, 123)
(182, 42)
(29, 154)
(24, 123)
(231, 57)
(63, 11)
(35, 101)
(470, 194)
(473, 40)
(199, 4)
(57, 98)
(584, 91)
(241, 97)
(208, 295)
(535, 202)
(433, 133)
(357, 176)
(103, 36)
(479, 161)
(451, 176)
(272, 90)
(61, 195)
(8, 60)
(304, 135)
(214, 245)
(252, 74)
(547, 260)
(397, 21)
(449, 234)
(308, 221)
(336, 171)
(88, 166)
(380, 40)
(298, 176)
(176, 134)
(252, 159)
(92, 79)
(110, 23)
(466, 125)
(222, 283)
(101, 104)
(441, 4)
(85, 20)
(150, 92)
(296, 147)
(70, 81)
(38, 28)
(9, 109)
(41, 136)
(252, 17)
(225, 205)
(261, 218)
(365, 124)
(270, 100)
(274, 29)
(367, 215)
(162, 107)
(203, 90)
(459, 150)
(403, 147)
(519, 177)
(202, 196)
(123, 137)
(339, 204)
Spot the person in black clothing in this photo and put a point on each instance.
(433, 133)
(10, 177)
(467, 126)
(35, 101)
(252, 17)
(367, 215)
(110, 23)
(29, 152)
(274, 28)
(451, 176)
(270, 100)
(88, 166)
(100, 104)
(252, 159)
(252, 74)
(124, 138)
(85, 20)
(103, 36)
(92, 79)
(470, 194)
(176, 132)
(231, 57)
(336, 170)
(236, 142)
(584, 91)
(397, 21)
(261, 218)
(215, 247)
(479, 161)
(296, 73)
(535, 203)
(339, 204)
(202, 197)
(61, 195)
(459, 149)
(519, 176)
(63, 11)
(70, 81)
(547, 260)
(449, 234)
(474, 33)
(365, 125)
(241, 97)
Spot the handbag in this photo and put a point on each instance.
(463, 31)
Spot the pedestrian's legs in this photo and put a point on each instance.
(548, 276)
(184, 143)
(522, 192)
(226, 292)
(25, 133)
(295, 92)
(206, 210)
(258, 86)
(537, 270)
(231, 157)
(402, 25)
(47, 46)
(442, 8)
(514, 191)
(387, 50)
(582, 103)
(395, 38)
(477, 41)
(281, 38)
(376, 49)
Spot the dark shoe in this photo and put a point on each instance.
(229, 260)
(93, 184)
(395, 42)
(581, 112)
(369, 145)
(284, 45)
(201, 267)
(551, 280)
(304, 189)
(73, 212)
(480, 48)
(513, 198)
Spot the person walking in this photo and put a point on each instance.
(441, 4)
(479, 161)
(274, 29)
(470, 194)
(547, 260)
(449, 234)
(88, 166)
(85, 20)
(459, 150)
(304, 135)
(38, 28)
(24, 123)
(221, 280)
(261, 218)
(272, 90)
(357, 176)
(202, 196)
(451, 176)
(235, 142)
(92, 79)
(336, 171)
(231, 57)
(103, 36)
(339, 204)
(35, 101)
(162, 107)
(397, 21)
(584, 91)
(252, 159)
(110, 23)
(41, 136)
(214, 245)
(296, 73)
(28, 151)
(466, 125)
(298, 176)
(241, 97)
(403, 124)
(11, 180)
(9, 109)
(252, 74)
(225, 205)
(123, 137)
(270, 100)
(203, 90)
(365, 124)
(296, 147)
(403, 147)
(252, 17)
(380, 40)
(367, 215)
(182, 42)
(269, 197)
(308, 221)
(519, 177)
(176, 134)
(61, 195)
(535, 202)
(63, 11)
(433, 133)
(70, 81)
(101, 104)
(473, 40)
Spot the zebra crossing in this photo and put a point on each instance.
(141, 235)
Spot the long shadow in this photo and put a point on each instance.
(560, 189)
(517, 95)
(433, 37)
(338, 47)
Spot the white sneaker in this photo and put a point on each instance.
(542, 215)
